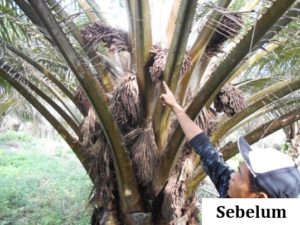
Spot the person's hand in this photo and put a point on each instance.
(168, 98)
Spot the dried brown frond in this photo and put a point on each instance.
(132, 136)
(102, 173)
(105, 215)
(173, 198)
(125, 103)
(192, 211)
(87, 127)
(94, 142)
(207, 120)
(144, 155)
(115, 39)
(185, 162)
(228, 27)
(190, 214)
(230, 100)
(187, 64)
(159, 56)
(174, 193)
(82, 102)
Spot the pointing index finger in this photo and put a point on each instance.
(167, 89)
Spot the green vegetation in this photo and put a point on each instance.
(41, 182)
(91, 80)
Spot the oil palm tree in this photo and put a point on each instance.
(134, 152)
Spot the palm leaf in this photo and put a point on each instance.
(257, 101)
(252, 86)
(6, 105)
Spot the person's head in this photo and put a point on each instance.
(242, 184)
(264, 173)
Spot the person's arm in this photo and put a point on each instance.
(189, 127)
(213, 163)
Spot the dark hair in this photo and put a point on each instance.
(254, 185)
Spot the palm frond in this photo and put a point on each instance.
(262, 131)
(267, 113)
(256, 102)
(5, 105)
(252, 86)
(221, 73)
(97, 97)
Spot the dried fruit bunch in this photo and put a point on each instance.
(115, 39)
(230, 100)
(159, 56)
(125, 102)
(229, 26)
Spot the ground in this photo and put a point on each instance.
(41, 182)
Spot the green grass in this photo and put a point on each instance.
(41, 182)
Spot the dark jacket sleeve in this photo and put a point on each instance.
(213, 163)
